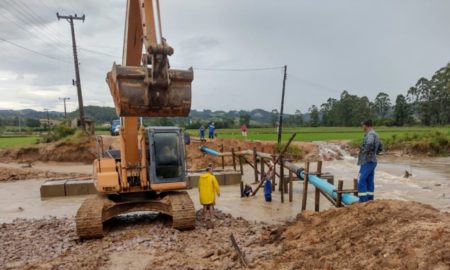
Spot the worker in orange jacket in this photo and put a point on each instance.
(208, 187)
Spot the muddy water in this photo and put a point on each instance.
(429, 184)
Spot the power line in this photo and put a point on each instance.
(239, 69)
(31, 50)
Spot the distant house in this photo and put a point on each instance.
(52, 122)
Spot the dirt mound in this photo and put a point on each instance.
(13, 174)
(199, 160)
(376, 235)
(82, 150)
(131, 242)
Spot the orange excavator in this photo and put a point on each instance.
(148, 172)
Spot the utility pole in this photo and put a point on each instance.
(70, 19)
(280, 126)
(64, 100)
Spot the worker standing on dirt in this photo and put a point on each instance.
(211, 129)
(202, 132)
(244, 130)
(367, 159)
(208, 187)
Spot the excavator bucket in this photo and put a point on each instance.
(134, 96)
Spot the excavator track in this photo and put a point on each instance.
(94, 211)
(89, 219)
(183, 211)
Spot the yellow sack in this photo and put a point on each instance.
(208, 187)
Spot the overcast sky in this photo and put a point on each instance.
(362, 46)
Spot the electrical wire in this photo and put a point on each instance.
(31, 50)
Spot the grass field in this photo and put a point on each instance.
(11, 141)
(321, 133)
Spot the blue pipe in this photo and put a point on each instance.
(347, 198)
(210, 151)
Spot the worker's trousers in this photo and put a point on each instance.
(366, 185)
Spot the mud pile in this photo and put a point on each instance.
(14, 174)
(83, 150)
(133, 242)
(377, 235)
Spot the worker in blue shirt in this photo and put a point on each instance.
(211, 129)
(268, 184)
(367, 159)
(202, 132)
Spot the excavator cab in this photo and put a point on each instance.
(167, 158)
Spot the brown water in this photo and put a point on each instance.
(429, 184)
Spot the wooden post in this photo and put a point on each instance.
(319, 168)
(255, 168)
(355, 187)
(305, 186)
(291, 182)
(262, 164)
(274, 177)
(223, 158)
(234, 158)
(317, 200)
(339, 194)
(282, 179)
(242, 188)
(241, 166)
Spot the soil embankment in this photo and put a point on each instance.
(376, 235)
(14, 174)
(85, 149)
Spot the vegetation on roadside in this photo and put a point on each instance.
(15, 141)
(293, 151)
(433, 143)
(58, 132)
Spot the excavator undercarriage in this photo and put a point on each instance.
(95, 211)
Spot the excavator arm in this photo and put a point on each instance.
(144, 85)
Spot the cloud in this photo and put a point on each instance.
(362, 46)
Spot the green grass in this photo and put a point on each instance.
(11, 141)
(321, 133)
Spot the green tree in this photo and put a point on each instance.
(31, 122)
(313, 116)
(382, 104)
(401, 110)
(298, 118)
(244, 119)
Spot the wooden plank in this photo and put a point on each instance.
(238, 250)
(282, 186)
(317, 200)
(339, 194)
(319, 168)
(291, 181)
(276, 161)
(255, 162)
(355, 187)
(223, 158)
(261, 169)
(234, 158)
(305, 186)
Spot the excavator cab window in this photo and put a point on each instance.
(167, 155)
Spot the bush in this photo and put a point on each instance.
(293, 150)
(59, 132)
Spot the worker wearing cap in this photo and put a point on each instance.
(367, 159)
(208, 187)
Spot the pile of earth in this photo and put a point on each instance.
(384, 234)
(376, 235)
(199, 160)
(13, 174)
(85, 150)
